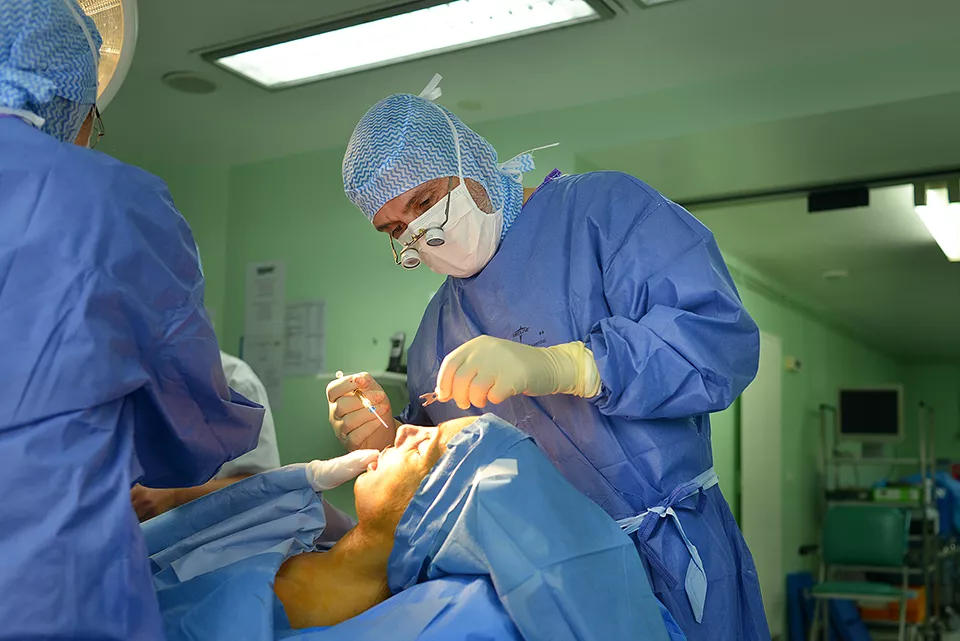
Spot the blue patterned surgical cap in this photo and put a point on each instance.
(48, 63)
(406, 140)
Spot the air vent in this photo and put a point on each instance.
(188, 82)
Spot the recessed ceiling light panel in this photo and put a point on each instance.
(941, 218)
(367, 44)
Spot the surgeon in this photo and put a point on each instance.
(111, 373)
(591, 312)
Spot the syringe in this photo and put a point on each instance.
(366, 403)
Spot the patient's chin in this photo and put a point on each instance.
(381, 500)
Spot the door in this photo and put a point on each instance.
(761, 478)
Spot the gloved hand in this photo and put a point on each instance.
(326, 475)
(354, 425)
(492, 369)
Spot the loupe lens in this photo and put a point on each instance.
(410, 258)
(434, 237)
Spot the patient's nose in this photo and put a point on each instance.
(406, 432)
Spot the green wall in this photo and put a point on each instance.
(830, 359)
(201, 195)
(938, 386)
(724, 427)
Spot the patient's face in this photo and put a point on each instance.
(387, 487)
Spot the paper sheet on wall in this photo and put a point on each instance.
(264, 300)
(305, 339)
(264, 355)
(264, 327)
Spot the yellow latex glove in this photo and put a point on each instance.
(488, 369)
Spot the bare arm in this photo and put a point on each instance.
(187, 494)
(150, 502)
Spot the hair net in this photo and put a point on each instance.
(48, 63)
(406, 140)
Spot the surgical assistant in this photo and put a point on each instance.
(111, 372)
(592, 313)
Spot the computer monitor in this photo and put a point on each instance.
(871, 415)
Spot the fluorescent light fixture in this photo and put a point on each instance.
(942, 219)
(368, 43)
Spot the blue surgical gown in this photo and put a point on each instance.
(605, 259)
(111, 375)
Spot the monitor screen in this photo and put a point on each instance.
(870, 414)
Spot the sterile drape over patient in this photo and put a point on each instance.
(111, 372)
(494, 545)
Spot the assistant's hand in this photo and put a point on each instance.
(149, 502)
(488, 369)
(354, 425)
(326, 475)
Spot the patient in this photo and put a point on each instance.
(465, 531)
(355, 569)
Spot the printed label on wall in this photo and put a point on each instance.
(264, 325)
(305, 350)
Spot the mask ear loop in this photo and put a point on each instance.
(456, 142)
(515, 167)
(521, 163)
(431, 92)
(530, 151)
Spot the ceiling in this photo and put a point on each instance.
(699, 98)
(781, 58)
(901, 292)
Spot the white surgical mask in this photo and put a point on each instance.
(471, 236)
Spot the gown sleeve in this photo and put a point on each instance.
(414, 413)
(679, 341)
(266, 455)
(188, 422)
